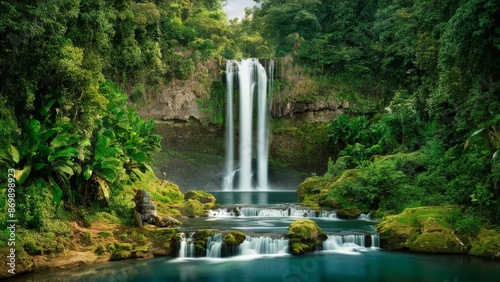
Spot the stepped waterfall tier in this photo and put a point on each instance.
(268, 246)
(252, 80)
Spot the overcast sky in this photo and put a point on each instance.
(236, 8)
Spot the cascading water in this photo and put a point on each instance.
(351, 242)
(271, 212)
(251, 246)
(252, 78)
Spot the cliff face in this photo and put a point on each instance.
(296, 96)
(174, 102)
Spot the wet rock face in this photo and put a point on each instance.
(145, 212)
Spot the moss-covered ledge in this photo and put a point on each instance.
(422, 229)
(428, 230)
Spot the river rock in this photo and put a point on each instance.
(207, 199)
(305, 236)
(349, 213)
(145, 212)
(234, 238)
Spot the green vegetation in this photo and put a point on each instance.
(423, 122)
(305, 236)
(421, 79)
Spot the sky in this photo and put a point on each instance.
(236, 8)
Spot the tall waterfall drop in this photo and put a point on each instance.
(252, 79)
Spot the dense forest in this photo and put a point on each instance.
(422, 79)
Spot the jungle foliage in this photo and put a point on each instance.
(422, 79)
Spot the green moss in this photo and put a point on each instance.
(121, 251)
(234, 238)
(105, 234)
(207, 199)
(100, 250)
(487, 245)
(311, 185)
(349, 213)
(304, 236)
(422, 229)
(192, 208)
(200, 238)
(86, 239)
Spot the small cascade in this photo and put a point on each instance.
(263, 246)
(186, 249)
(352, 242)
(216, 247)
(367, 216)
(375, 240)
(271, 212)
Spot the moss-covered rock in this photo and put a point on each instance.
(305, 236)
(207, 199)
(192, 208)
(200, 238)
(234, 238)
(349, 213)
(120, 250)
(311, 185)
(487, 245)
(422, 229)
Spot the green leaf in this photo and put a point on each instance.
(64, 168)
(66, 153)
(101, 147)
(140, 157)
(111, 163)
(108, 174)
(45, 151)
(39, 166)
(22, 175)
(87, 172)
(60, 140)
(14, 154)
(45, 110)
(56, 191)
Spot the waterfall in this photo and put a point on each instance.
(186, 248)
(263, 246)
(271, 212)
(251, 246)
(228, 178)
(352, 242)
(252, 78)
(214, 245)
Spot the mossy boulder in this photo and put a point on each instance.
(234, 238)
(305, 236)
(120, 250)
(422, 229)
(310, 186)
(192, 208)
(487, 245)
(207, 199)
(200, 238)
(349, 213)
